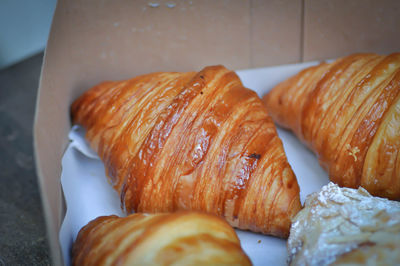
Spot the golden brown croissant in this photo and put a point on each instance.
(192, 141)
(348, 112)
(183, 238)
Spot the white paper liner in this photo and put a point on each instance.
(89, 195)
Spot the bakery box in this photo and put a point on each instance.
(92, 41)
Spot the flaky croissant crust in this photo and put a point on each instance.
(348, 112)
(184, 238)
(192, 141)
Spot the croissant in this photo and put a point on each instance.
(186, 238)
(348, 112)
(192, 141)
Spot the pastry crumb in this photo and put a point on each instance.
(352, 151)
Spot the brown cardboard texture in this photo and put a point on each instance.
(92, 41)
(336, 28)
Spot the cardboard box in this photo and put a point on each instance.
(92, 41)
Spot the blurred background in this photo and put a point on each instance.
(24, 28)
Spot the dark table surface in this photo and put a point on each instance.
(22, 227)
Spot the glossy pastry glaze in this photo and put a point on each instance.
(192, 141)
(184, 238)
(344, 226)
(348, 112)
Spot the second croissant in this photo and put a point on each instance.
(192, 141)
(348, 112)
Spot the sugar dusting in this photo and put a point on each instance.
(337, 220)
